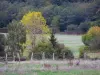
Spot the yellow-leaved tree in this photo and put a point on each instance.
(35, 27)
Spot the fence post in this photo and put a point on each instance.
(85, 55)
(43, 55)
(64, 56)
(6, 61)
(53, 56)
(6, 58)
(13, 57)
(19, 57)
(32, 56)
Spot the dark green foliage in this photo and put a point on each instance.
(48, 14)
(53, 40)
(2, 44)
(61, 13)
(83, 50)
(63, 20)
(69, 54)
(36, 3)
(44, 46)
(72, 28)
(2, 39)
(55, 21)
(95, 43)
(57, 2)
(61, 49)
(84, 27)
(86, 39)
(8, 12)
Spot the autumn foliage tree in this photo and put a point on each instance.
(92, 38)
(35, 24)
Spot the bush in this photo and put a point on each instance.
(82, 50)
(59, 50)
(43, 47)
(68, 53)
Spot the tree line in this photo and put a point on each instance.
(66, 15)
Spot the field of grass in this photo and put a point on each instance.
(71, 41)
(72, 72)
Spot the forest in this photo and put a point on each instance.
(64, 15)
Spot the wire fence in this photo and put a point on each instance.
(50, 56)
(44, 56)
(45, 61)
(35, 56)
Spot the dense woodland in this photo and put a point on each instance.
(66, 15)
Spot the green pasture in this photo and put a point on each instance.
(71, 41)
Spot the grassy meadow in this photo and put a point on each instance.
(71, 41)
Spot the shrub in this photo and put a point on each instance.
(68, 53)
(82, 50)
(44, 46)
(59, 50)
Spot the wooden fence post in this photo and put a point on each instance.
(32, 56)
(63, 56)
(13, 57)
(43, 55)
(19, 57)
(6, 61)
(53, 56)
